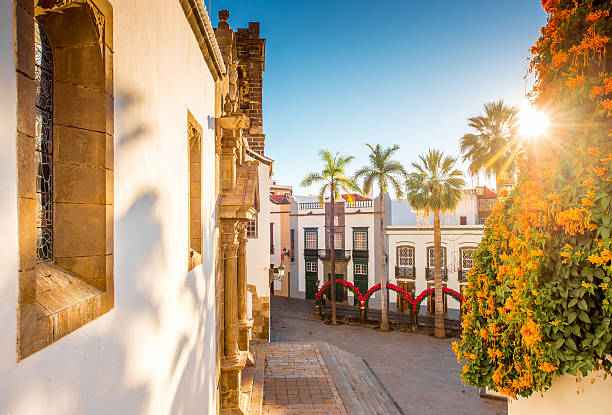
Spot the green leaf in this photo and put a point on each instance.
(571, 317)
(571, 343)
(576, 330)
(582, 305)
(559, 343)
(584, 317)
(572, 302)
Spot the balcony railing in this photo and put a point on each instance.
(361, 253)
(405, 272)
(311, 252)
(360, 204)
(310, 206)
(342, 254)
(429, 273)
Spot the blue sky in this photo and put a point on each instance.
(342, 73)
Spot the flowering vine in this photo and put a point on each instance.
(538, 297)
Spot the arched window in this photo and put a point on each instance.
(43, 75)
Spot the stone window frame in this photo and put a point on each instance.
(194, 163)
(60, 296)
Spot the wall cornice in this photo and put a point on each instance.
(202, 29)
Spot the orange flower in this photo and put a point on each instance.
(530, 333)
(548, 367)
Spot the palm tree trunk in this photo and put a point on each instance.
(332, 253)
(439, 317)
(384, 321)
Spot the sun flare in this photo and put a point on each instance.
(532, 123)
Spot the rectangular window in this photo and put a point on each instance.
(292, 245)
(252, 228)
(466, 258)
(311, 240)
(482, 221)
(430, 257)
(462, 220)
(361, 269)
(311, 267)
(360, 241)
(271, 238)
(338, 240)
(405, 256)
(195, 192)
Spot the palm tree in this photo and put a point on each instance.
(492, 149)
(334, 178)
(435, 186)
(386, 172)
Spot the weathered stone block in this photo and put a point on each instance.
(26, 101)
(34, 329)
(109, 162)
(80, 146)
(80, 229)
(86, 267)
(27, 286)
(81, 65)
(79, 184)
(110, 187)
(110, 229)
(24, 52)
(80, 107)
(27, 233)
(109, 84)
(26, 171)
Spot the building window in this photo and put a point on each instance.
(292, 244)
(338, 240)
(361, 269)
(430, 257)
(64, 169)
(360, 241)
(462, 220)
(482, 221)
(311, 267)
(252, 228)
(194, 133)
(311, 240)
(405, 256)
(467, 262)
(43, 58)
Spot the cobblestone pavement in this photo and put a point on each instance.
(297, 381)
(419, 371)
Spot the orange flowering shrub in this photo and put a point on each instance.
(538, 300)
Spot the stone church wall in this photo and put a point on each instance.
(154, 351)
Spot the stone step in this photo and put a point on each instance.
(368, 393)
(345, 386)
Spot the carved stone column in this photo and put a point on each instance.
(244, 324)
(234, 360)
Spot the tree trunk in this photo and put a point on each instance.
(384, 304)
(439, 318)
(332, 253)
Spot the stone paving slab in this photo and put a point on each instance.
(297, 381)
(419, 371)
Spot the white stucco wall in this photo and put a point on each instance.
(453, 238)
(567, 397)
(258, 249)
(154, 352)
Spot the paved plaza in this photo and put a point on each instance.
(420, 373)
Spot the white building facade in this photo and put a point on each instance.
(408, 240)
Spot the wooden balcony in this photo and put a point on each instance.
(429, 274)
(405, 272)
